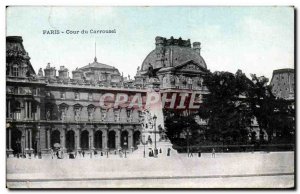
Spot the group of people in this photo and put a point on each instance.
(58, 153)
(213, 153)
(152, 152)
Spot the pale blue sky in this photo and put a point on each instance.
(253, 39)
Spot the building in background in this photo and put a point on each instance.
(50, 107)
(283, 83)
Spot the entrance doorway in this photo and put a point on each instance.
(70, 141)
(55, 138)
(111, 140)
(98, 140)
(124, 139)
(136, 138)
(16, 136)
(84, 140)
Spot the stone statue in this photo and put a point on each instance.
(77, 115)
(48, 115)
(91, 115)
(63, 115)
(40, 73)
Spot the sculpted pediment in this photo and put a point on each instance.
(190, 66)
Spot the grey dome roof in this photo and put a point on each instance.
(179, 54)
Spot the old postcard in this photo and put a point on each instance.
(150, 97)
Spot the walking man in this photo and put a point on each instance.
(213, 153)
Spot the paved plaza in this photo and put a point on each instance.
(226, 170)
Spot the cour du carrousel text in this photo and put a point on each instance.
(77, 32)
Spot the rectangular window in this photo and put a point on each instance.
(62, 95)
(90, 96)
(15, 71)
(34, 91)
(76, 96)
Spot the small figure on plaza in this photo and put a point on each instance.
(213, 153)
(169, 152)
(199, 153)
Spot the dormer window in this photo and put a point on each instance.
(15, 71)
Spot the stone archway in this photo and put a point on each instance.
(55, 137)
(16, 137)
(98, 140)
(124, 139)
(84, 140)
(111, 140)
(70, 141)
(136, 138)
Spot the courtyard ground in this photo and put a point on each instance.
(226, 170)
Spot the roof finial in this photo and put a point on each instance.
(95, 59)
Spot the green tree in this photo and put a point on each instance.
(263, 105)
(226, 108)
(177, 124)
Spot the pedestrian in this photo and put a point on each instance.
(213, 153)
(83, 154)
(199, 153)
(169, 152)
(51, 153)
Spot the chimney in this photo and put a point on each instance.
(50, 72)
(159, 41)
(197, 47)
(63, 73)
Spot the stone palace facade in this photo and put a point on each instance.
(47, 108)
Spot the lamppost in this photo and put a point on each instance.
(155, 149)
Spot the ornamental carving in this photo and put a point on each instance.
(190, 67)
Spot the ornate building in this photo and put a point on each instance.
(283, 83)
(46, 109)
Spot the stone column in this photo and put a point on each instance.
(91, 134)
(78, 139)
(29, 111)
(8, 108)
(118, 138)
(38, 146)
(25, 112)
(9, 139)
(23, 140)
(48, 138)
(63, 138)
(104, 139)
(26, 139)
(38, 112)
(130, 139)
(30, 138)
